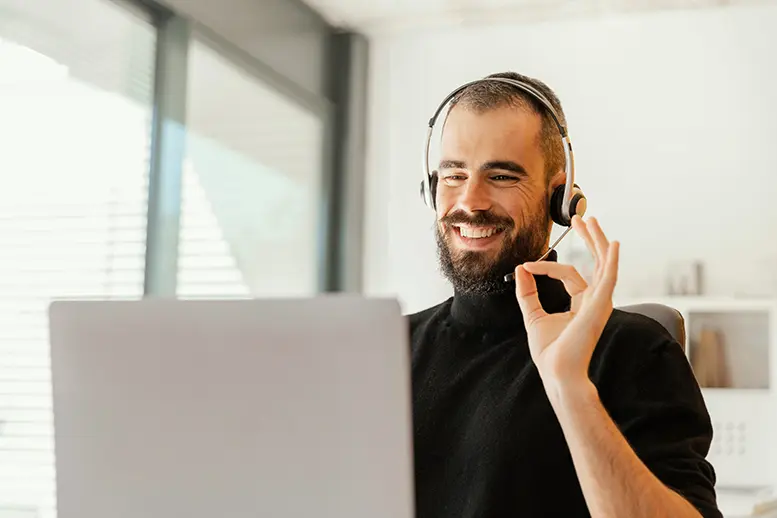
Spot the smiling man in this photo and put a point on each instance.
(535, 398)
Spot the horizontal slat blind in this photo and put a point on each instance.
(206, 266)
(75, 94)
(252, 185)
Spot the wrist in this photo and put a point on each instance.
(563, 393)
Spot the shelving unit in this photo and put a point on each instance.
(732, 346)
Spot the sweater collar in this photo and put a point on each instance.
(502, 309)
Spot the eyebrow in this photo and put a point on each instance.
(452, 164)
(502, 165)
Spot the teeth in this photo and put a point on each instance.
(477, 233)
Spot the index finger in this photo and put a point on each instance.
(566, 273)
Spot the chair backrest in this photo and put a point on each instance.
(668, 317)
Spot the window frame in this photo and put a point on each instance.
(175, 35)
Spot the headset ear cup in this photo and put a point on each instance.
(577, 205)
(433, 188)
(429, 191)
(556, 202)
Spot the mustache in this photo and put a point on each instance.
(479, 219)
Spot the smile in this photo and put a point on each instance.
(476, 237)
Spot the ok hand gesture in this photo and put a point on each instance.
(562, 344)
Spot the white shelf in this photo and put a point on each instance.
(743, 436)
(742, 334)
(739, 337)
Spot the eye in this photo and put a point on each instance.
(505, 178)
(454, 179)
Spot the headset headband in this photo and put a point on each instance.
(518, 84)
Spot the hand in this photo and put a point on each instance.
(562, 344)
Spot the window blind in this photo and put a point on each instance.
(206, 266)
(250, 217)
(75, 98)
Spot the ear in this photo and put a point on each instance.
(560, 178)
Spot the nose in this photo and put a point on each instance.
(475, 196)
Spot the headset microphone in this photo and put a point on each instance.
(565, 202)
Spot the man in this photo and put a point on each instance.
(535, 398)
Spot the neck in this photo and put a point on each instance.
(501, 309)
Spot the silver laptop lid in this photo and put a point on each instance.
(205, 409)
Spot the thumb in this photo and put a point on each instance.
(528, 298)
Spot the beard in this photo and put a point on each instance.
(480, 272)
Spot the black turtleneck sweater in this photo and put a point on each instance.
(487, 442)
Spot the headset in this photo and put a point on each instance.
(566, 201)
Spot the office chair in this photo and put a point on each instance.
(670, 318)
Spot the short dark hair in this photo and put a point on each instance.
(491, 94)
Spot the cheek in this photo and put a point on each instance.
(444, 199)
(526, 208)
(445, 205)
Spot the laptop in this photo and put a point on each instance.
(232, 409)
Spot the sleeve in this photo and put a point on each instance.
(659, 408)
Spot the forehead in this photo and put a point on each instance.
(504, 132)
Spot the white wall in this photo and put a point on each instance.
(674, 120)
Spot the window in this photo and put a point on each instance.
(251, 186)
(75, 96)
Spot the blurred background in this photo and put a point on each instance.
(272, 148)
